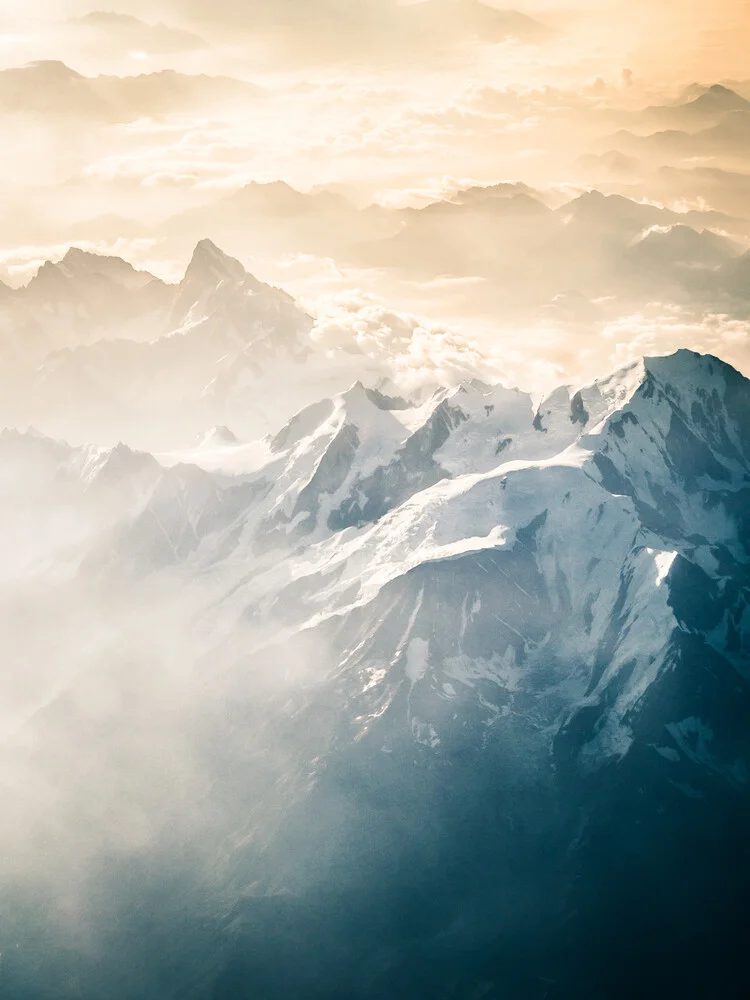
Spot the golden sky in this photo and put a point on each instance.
(693, 37)
(120, 137)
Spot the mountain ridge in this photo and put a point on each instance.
(522, 665)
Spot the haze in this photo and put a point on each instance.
(351, 512)
(119, 125)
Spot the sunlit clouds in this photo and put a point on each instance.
(139, 129)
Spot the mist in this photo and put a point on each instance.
(134, 737)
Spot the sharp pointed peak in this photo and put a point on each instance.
(355, 389)
(209, 261)
(218, 436)
(359, 394)
(207, 247)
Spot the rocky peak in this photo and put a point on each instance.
(209, 265)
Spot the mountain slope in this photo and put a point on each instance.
(546, 660)
(447, 691)
(709, 106)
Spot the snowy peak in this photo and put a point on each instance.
(568, 411)
(446, 549)
(669, 437)
(113, 466)
(302, 425)
(691, 370)
(86, 297)
(371, 412)
(350, 461)
(709, 396)
(705, 394)
(218, 437)
(543, 586)
(677, 447)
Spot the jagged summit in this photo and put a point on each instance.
(99, 466)
(369, 458)
(76, 255)
(218, 437)
(80, 263)
(210, 264)
(79, 266)
(218, 294)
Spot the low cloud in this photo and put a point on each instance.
(410, 352)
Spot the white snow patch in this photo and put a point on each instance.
(416, 659)
(663, 562)
(425, 733)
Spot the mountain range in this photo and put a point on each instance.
(709, 106)
(615, 254)
(374, 500)
(49, 87)
(92, 341)
(724, 141)
(472, 690)
(481, 230)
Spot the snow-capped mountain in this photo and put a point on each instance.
(451, 654)
(220, 348)
(597, 496)
(93, 342)
(474, 543)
